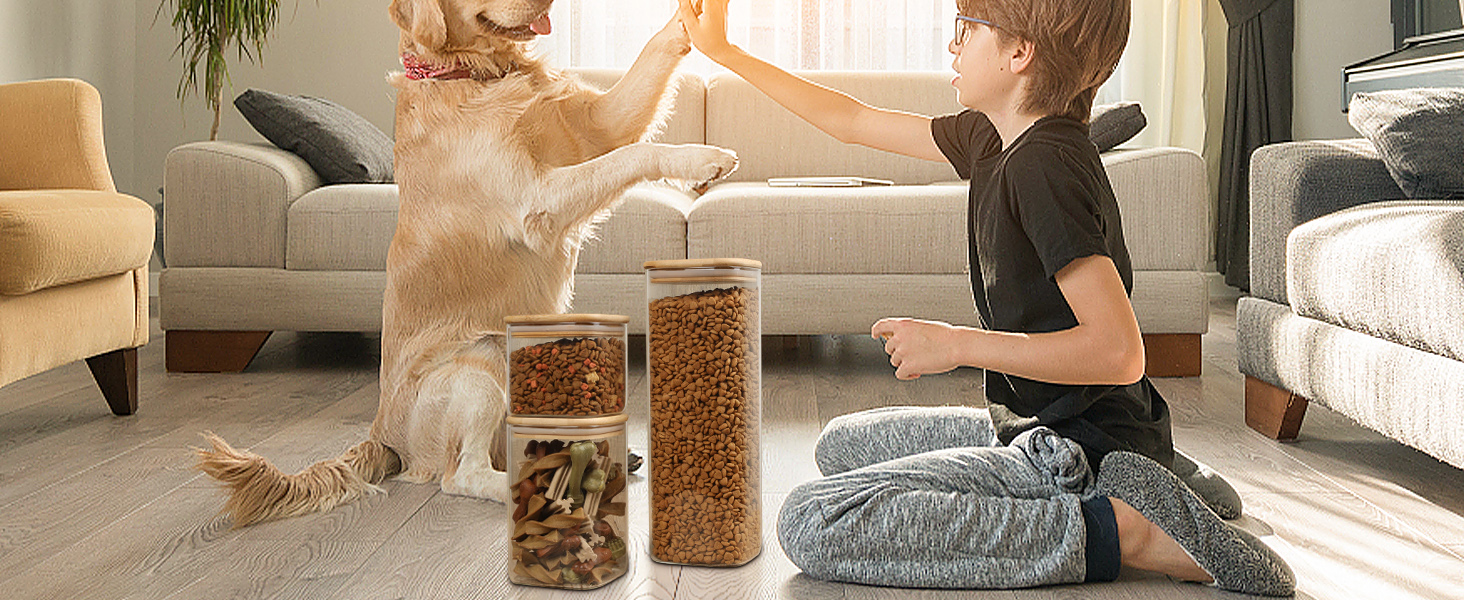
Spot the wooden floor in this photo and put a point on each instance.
(97, 506)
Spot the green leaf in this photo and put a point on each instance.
(207, 29)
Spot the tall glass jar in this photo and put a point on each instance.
(566, 365)
(704, 356)
(568, 485)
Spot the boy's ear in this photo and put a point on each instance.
(1021, 54)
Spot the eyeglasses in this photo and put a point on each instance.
(963, 28)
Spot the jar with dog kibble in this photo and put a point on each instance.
(704, 357)
(566, 365)
(568, 485)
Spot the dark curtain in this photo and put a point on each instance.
(1257, 112)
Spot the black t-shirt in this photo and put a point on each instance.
(1040, 204)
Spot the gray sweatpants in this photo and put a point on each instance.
(926, 497)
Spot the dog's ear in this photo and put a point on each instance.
(422, 20)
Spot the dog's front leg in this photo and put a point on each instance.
(633, 104)
(569, 197)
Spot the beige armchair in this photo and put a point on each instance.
(73, 251)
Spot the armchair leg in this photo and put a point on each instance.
(1172, 355)
(211, 351)
(116, 374)
(1274, 412)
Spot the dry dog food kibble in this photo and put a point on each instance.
(705, 383)
(572, 377)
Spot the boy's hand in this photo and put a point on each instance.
(918, 347)
(706, 22)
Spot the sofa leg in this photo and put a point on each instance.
(116, 374)
(1172, 354)
(212, 351)
(1274, 412)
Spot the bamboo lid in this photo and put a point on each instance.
(538, 421)
(562, 319)
(704, 263)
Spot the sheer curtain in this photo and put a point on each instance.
(793, 34)
(1164, 70)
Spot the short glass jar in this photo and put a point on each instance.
(568, 487)
(704, 358)
(566, 365)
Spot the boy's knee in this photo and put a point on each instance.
(800, 525)
(837, 442)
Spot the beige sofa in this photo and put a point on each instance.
(254, 244)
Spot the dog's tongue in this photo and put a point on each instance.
(541, 25)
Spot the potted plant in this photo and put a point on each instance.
(207, 30)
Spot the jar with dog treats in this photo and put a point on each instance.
(704, 357)
(568, 485)
(566, 365)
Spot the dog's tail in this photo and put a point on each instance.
(260, 492)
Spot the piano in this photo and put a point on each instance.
(1433, 60)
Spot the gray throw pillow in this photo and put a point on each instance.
(340, 145)
(1112, 124)
(1419, 134)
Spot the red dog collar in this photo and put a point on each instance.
(419, 69)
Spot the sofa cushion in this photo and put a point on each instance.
(1161, 192)
(650, 224)
(50, 238)
(885, 230)
(1394, 270)
(1418, 132)
(1112, 124)
(340, 145)
(349, 228)
(341, 228)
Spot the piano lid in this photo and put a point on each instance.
(1434, 60)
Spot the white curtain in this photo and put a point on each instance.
(793, 34)
(1163, 67)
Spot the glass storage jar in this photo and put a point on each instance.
(566, 365)
(568, 485)
(704, 357)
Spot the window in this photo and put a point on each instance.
(794, 34)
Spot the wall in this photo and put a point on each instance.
(79, 38)
(1329, 35)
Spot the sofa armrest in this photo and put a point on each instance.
(1161, 193)
(225, 203)
(52, 134)
(1294, 182)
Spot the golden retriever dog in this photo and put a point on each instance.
(504, 166)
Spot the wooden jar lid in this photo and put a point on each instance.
(704, 263)
(587, 319)
(547, 421)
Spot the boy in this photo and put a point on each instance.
(956, 497)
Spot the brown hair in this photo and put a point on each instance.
(1077, 45)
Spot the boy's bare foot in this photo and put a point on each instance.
(1144, 545)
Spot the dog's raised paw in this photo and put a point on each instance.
(698, 164)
